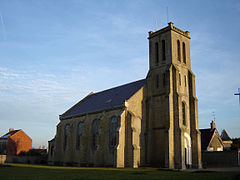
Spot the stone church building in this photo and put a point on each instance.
(149, 122)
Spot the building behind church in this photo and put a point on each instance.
(149, 122)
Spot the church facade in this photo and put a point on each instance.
(150, 122)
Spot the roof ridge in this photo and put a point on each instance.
(11, 133)
(118, 86)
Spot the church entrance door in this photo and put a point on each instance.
(187, 150)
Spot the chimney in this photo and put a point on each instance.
(11, 129)
(213, 125)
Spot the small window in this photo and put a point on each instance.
(184, 52)
(94, 133)
(79, 133)
(66, 133)
(179, 79)
(113, 132)
(184, 113)
(156, 53)
(163, 50)
(178, 50)
(157, 81)
(164, 79)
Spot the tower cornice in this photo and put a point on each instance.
(169, 28)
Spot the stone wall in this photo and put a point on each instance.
(102, 154)
(86, 155)
(26, 159)
(220, 158)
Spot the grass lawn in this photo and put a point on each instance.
(31, 172)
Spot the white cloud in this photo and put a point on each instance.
(6, 74)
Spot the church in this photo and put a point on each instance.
(149, 122)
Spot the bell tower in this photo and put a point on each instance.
(171, 137)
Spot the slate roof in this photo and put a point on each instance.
(10, 133)
(104, 100)
(206, 136)
(225, 136)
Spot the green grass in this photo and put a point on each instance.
(32, 172)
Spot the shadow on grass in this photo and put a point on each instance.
(25, 172)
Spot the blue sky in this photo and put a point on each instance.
(54, 52)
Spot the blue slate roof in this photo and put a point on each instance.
(104, 100)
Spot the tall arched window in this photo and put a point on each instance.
(185, 81)
(178, 50)
(157, 81)
(79, 133)
(180, 79)
(184, 52)
(52, 150)
(94, 133)
(66, 133)
(184, 113)
(156, 53)
(163, 50)
(113, 132)
(164, 79)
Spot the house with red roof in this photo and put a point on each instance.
(14, 142)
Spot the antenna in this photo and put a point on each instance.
(155, 22)
(214, 116)
(3, 26)
(167, 15)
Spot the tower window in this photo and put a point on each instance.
(185, 81)
(178, 50)
(94, 133)
(79, 133)
(184, 52)
(179, 79)
(184, 113)
(163, 50)
(157, 81)
(66, 133)
(156, 53)
(164, 79)
(113, 131)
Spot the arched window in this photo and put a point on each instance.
(184, 113)
(180, 79)
(79, 133)
(94, 133)
(156, 53)
(113, 131)
(164, 79)
(184, 52)
(66, 133)
(52, 150)
(157, 81)
(163, 50)
(178, 50)
(185, 81)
